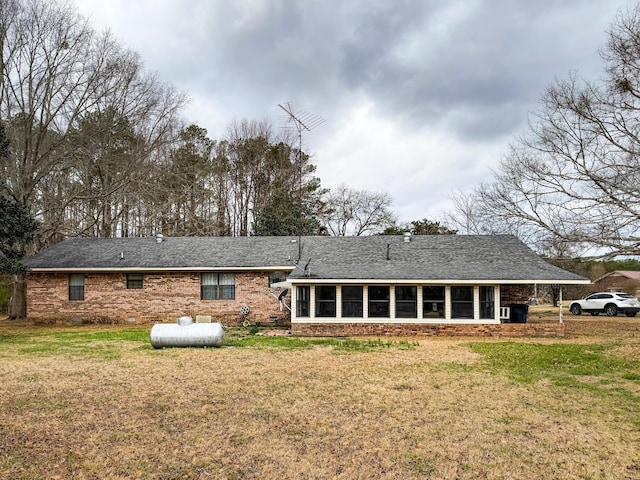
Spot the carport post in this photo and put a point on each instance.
(561, 304)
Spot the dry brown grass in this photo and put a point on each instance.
(429, 412)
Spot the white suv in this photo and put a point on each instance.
(610, 303)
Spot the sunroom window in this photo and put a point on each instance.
(379, 301)
(433, 302)
(352, 301)
(303, 294)
(406, 301)
(487, 302)
(326, 301)
(461, 302)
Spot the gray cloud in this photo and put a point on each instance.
(419, 62)
(469, 71)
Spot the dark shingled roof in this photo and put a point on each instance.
(429, 257)
(172, 253)
(424, 257)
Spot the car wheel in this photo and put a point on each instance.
(575, 309)
(631, 314)
(611, 310)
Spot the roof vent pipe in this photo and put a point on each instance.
(159, 238)
(407, 237)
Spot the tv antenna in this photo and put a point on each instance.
(300, 121)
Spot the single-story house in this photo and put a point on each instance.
(619, 281)
(374, 285)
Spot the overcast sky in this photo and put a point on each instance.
(420, 98)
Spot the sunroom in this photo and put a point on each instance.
(397, 302)
(416, 285)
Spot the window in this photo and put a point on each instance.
(275, 277)
(378, 301)
(600, 296)
(302, 301)
(76, 286)
(433, 302)
(487, 302)
(352, 301)
(461, 302)
(134, 280)
(325, 301)
(218, 286)
(406, 302)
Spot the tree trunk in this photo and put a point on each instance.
(18, 305)
(555, 294)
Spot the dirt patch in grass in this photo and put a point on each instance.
(435, 410)
(613, 327)
(588, 325)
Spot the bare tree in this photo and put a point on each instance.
(357, 212)
(248, 142)
(188, 182)
(256, 162)
(575, 176)
(56, 73)
(465, 216)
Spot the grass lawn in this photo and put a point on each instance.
(98, 402)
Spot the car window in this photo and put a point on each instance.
(606, 295)
(625, 295)
(592, 297)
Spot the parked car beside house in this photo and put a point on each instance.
(610, 303)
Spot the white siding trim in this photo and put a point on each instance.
(422, 281)
(412, 321)
(392, 301)
(447, 302)
(476, 302)
(312, 302)
(365, 301)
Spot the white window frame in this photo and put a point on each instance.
(392, 310)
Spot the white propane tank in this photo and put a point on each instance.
(165, 335)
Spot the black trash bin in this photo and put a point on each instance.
(519, 312)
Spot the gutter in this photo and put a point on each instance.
(433, 281)
(160, 269)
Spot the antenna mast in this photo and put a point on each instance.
(300, 121)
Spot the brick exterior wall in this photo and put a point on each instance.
(164, 297)
(556, 329)
(616, 283)
(514, 294)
